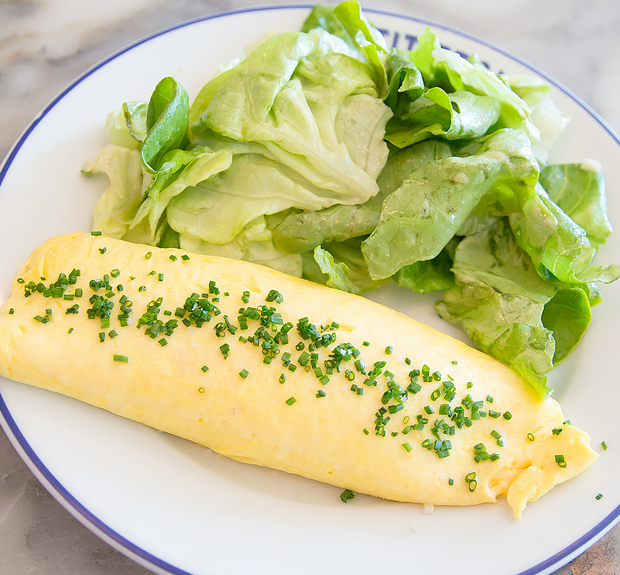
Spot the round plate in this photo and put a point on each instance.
(176, 507)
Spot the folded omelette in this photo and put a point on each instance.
(276, 371)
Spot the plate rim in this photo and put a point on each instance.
(63, 495)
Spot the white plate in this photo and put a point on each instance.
(178, 508)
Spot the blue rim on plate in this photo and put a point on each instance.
(78, 510)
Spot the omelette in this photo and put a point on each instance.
(276, 371)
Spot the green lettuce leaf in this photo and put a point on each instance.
(547, 117)
(449, 70)
(580, 193)
(422, 216)
(405, 82)
(252, 244)
(556, 243)
(367, 39)
(301, 232)
(568, 316)
(117, 206)
(167, 120)
(338, 274)
(459, 115)
(299, 111)
(499, 299)
(427, 276)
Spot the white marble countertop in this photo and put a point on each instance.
(44, 44)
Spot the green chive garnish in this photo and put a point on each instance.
(121, 358)
(244, 373)
(290, 401)
(347, 495)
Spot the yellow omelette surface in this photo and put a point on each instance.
(355, 395)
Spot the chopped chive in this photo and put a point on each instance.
(185, 257)
(163, 342)
(11, 311)
(556, 430)
(160, 277)
(388, 350)
(507, 415)
(408, 447)
(290, 401)
(103, 250)
(451, 481)
(71, 330)
(147, 255)
(102, 336)
(530, 436)
(201, 390)
(559, 459)
(95, 233)
(204, 368)
(599, 497)
(244, 373)
(112, 334)
(366, 432)
(282, 378)
(320, 393)
(366, 343)
(173, 258)
(347, 495)
(121, 358)
(604, 445)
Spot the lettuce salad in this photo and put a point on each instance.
(326, 155)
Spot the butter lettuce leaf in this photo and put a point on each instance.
(317, 114)
(117, 206)
(580, 193)
(458, 115)
(301, 232)
(425, 212)
(499, 299)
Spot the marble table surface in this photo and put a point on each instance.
(44, 44)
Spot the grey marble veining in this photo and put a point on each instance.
(45, 44)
